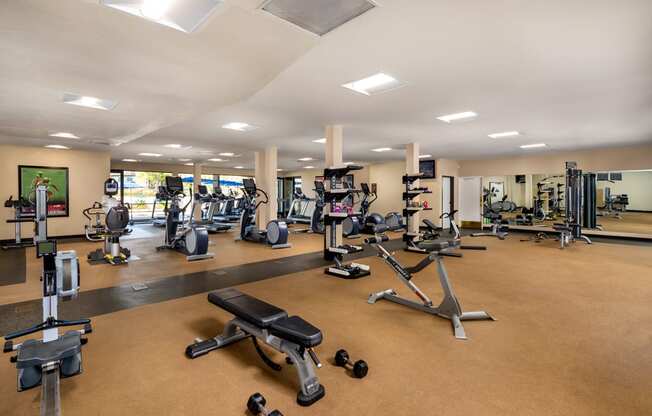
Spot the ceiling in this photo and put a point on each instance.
(574, 74)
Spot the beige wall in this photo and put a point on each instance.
(388, 179)
(614, 159)
(87, 173)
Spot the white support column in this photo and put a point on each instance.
(196, 181)
(266, 164)
(334, 141)
(412, 167)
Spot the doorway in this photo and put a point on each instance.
(447, 199)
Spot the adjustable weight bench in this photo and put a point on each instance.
(259, 320)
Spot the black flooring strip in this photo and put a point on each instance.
(108, 300)
(12, 266)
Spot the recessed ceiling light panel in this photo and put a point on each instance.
(375, 84)
(450, 118)
(57, 146)
(238, 167)
(150, 154)
(424, 156)
(504, 134)
(64, 135)
(382, 149)
(239, 126)
(533, 146)
(216, 159)
(305, 159)
(184, 15)
(177, 146)
(309, 167)
(129, 160)
(318, 17)
(322, 141)
(227, 154)
(89, 102)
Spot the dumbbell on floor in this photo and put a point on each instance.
(360, 367)
(256, 405)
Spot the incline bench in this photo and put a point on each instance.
(290, 335)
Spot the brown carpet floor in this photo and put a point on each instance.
(573, 337)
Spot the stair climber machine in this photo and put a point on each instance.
(116, 220)
(276, 233)
(334, 215)
(365, 222)
(203, 197)
(317, 220)
(189, 239)
(44, 361)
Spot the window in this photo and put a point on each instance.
(140, 192)
(232, 185)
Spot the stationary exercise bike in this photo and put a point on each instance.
(276, 233)
(116, 220)
(189, 239)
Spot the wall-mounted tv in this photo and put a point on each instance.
(520, 178)
(615, 176)
(427, 169)
(604, 176)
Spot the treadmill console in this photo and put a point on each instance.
(202, 190)
(46, 248)
(174, 184)
(249, 185)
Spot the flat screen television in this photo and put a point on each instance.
(427, 169)
(603, 176)
(520, 178)
(616, 176)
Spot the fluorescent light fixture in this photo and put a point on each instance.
(184, 160)
(186, 15)
(64, 135)
(504, 134)
(129, 160)
(150, 154)
(227, 154)
(305, 159)
(466, 115)
(322, 141)
(533, 146)
(177, 146)
(239, 126)
(57, 146)
(279, 170)
(238, 167)
(189, 164)
(308, 167)
(374, 84)
(89, 102)
(349, 163)
(424, 156)
(382, 149)
(216, 159)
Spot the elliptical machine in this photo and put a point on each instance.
(364, 223)
(116, 220)
(190, 239)
(276, 233)
(44, 361)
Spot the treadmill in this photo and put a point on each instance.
(161, 196)
(202, 197)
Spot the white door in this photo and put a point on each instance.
(446, 200)
(470, 199)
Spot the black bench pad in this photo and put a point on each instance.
(251, 309)
(434, 245)
(33, 353)
(295, 329)
(431, 225)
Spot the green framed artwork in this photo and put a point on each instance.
(56, 181)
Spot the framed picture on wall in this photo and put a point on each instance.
(56, 181)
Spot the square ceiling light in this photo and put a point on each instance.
(318, 16)
(90, 102)
(374, 84)
(184, 15)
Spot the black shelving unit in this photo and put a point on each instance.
(412, 239)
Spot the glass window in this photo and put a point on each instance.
(232, 185)
(140, 192)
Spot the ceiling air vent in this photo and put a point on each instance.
(318, 16)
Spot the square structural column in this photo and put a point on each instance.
(334, 142)
(266, 171)
(412, 168)
(196, 181)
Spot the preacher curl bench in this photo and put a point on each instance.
(259, 320)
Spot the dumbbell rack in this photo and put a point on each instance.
(412, 239)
